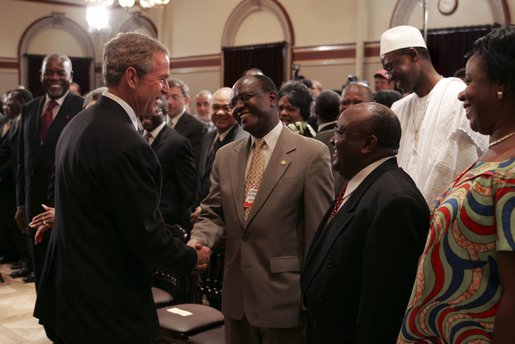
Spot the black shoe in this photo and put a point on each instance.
(20, 273)
(30, 278)
(19, 264)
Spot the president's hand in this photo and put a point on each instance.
(203, 255)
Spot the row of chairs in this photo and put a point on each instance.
(188, 306)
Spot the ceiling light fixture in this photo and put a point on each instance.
(144, 4)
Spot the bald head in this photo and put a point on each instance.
(365, 133)
(221, 113)
(355, 93)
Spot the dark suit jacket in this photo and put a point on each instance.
(360, 269)
(108, 233)
(36, 160)
(194, 130)
(325, 137)
(8, 158)
(264, 256)
(205, 163)
(179, 176)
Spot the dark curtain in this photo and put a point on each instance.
(267, 57)
(80, 66)
(448, 46)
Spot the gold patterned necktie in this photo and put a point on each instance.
(254, 176)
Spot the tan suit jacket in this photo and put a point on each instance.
(264, 257)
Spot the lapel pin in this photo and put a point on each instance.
(283, 162)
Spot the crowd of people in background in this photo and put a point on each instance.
(352, 215)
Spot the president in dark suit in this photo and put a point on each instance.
(180, 119)
(268, 193)
(109, 232)
(360, 267)
(42, 121)
(227, 130)
(179, 173)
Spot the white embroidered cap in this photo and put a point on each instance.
(401, 37)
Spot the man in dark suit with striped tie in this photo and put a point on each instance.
(360, 267)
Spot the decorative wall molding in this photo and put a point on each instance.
(246, 8)
(56, 20)
(138, 21)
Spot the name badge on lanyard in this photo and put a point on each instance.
(250, 197)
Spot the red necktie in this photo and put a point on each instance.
(46, 119)
(337, 205)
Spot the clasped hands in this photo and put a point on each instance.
(203, 255)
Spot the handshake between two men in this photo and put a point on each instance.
(203, 255)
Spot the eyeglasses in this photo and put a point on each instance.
(243, 98)
(340, 132)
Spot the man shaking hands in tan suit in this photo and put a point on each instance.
(268, 194)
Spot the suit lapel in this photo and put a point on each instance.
(278, 164)
(238, 163)
(61, 119)
(326, 237)
(32, 126)
(160, 138)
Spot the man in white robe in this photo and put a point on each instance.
(437, 142)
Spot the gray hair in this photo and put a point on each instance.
(126, 50)
(185, 90)
(58, 56)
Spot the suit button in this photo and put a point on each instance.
(320, 297)
(330, 265)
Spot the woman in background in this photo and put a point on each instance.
(465, 286)
(294, 107)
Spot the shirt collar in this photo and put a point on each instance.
(355, 181)
(271, 137)
(221, 136)
(323, 125)
(59, 100)
(157, 129)
(128, 109)
(178, 117)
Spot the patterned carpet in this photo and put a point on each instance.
(17, 325)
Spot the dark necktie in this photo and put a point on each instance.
(148, 136)
(46, 120)
(216, 145)
(337, 205)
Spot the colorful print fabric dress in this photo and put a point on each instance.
(456, 292)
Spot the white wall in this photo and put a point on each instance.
(192, 28)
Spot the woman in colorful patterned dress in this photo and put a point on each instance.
(465, 286)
